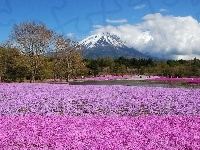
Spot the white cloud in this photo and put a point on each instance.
(139, 7)
(163, 10)
(98, 26)
(70, 35)
(162, 36)
(116, 21)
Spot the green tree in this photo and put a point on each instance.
(12, 65)
(106, 65)
(93, 66)
(3, 63)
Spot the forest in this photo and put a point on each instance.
(16, 67)
(35, 53)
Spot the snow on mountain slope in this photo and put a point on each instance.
(102, 39)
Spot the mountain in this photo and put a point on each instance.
(107, 45)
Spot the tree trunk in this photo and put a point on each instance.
(54, 74)
(67, 77)
(33, 76)
(32, 79)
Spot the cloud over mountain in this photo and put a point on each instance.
(167, 37)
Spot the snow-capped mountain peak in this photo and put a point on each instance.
(107, 45)
(102, 39)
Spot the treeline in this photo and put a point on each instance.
(34, 52)
(15, 67)
(121, 66)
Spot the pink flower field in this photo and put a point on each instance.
(57, 116)
(144, 132)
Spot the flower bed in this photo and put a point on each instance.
(107, 77)
(144, 132)
(46, 99)
(113, 77)
(57, 116)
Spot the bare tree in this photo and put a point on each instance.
(68, 60)
(34, 40)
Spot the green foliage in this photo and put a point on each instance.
(93, 66)
(12, 65)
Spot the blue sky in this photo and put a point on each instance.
(81, 18)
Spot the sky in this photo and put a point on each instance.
(167, 29)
